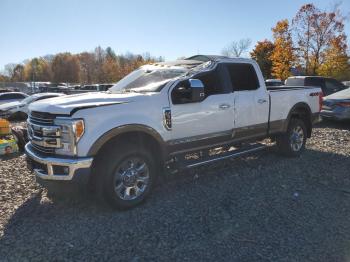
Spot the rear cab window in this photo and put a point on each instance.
(295, 81)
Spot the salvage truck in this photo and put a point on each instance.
(165, 117)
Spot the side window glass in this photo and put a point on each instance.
(243, 77)
(212, 82)
(7, 96)
(331, 87)
(18, 96)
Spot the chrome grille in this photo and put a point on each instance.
(41, 118)
(43, 149)
(43, 134)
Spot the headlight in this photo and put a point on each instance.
(71, 132)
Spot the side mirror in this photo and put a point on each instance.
(197, 90)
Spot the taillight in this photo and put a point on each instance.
(320, 101)
(343, 104)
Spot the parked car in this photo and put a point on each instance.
(96, 87)
(274, 82)
(337, 105)
(346, 83)
(5, 90)
(328, 85)
(19, 109)
(167, 116)
(11, 97)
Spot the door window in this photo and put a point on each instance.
(243, 77)
(213, 85)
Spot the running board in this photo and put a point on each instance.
(232, 155)
(202, 157)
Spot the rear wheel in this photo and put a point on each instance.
(292, 143)
(126, 175)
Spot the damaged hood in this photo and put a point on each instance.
(67, 105)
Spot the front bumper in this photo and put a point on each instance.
(55, 168)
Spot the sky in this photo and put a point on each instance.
(172, 29)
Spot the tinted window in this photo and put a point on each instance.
(332, 86)
(212, 82)
(12, 96)
(243, 77)
(295, 81)
(314, 81)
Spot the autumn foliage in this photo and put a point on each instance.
(99, 66)
(313, 43)
(262, 54)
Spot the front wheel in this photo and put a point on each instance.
(126, 175)
(292, 143)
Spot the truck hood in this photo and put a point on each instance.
(67, 105)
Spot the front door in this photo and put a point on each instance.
(207, 122)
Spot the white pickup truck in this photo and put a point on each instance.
(165, 116)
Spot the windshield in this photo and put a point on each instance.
(28, 99)
(148, 79)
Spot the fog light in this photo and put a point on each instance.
(60, 170)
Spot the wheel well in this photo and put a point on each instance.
(304, 114)
(136, 137)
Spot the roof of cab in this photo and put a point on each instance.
(196, 60)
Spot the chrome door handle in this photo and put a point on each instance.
(224, 106)
(261, 101)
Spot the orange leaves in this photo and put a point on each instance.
(262, 55)
(282, 55)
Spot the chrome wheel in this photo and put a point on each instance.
(297, 138)
(131, 178)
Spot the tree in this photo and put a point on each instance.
(282, 56)
(262, 55)
(100, 55)
(110, 71)
(65, 68)
(335, 60)
(237, 49)
(3, 78)
(9, 70)
(18, 73)
(110, 54)
(87, 67)
(37, 69)
(314, 31)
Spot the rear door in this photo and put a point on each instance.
(251, 101)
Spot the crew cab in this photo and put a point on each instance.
(162, 118)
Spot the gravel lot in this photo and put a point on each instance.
(259, 208)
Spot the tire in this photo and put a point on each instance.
(292, 143)
(125, 175)
(19, 136)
